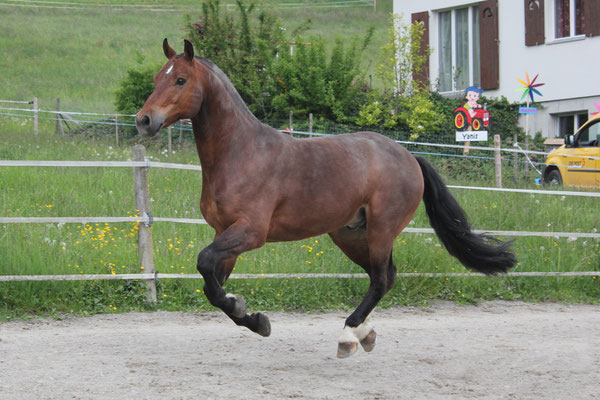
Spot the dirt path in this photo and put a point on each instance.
(495, 350)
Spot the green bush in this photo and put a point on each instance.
(416, 114)
(134, 89)
(310, 81)
(244, 46)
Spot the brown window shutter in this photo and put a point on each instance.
(422, 76)
(489, 45)
(534, 22)
(591, 13)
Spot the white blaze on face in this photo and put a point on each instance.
(169, 70)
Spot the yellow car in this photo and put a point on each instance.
(577, 162)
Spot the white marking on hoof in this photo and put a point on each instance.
(239, 310)
(363, 330)
(351, 337)
(347, 343)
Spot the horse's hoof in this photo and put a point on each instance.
(239, 308)
(263, 324)
(368, 342)
(346, 349)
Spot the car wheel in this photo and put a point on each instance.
(554, 178)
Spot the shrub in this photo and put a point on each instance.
(310, 81)
(244, 47)
(134, 89)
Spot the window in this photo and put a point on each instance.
(459, 49)
(590, 136)
(568, 18)
(568, 124)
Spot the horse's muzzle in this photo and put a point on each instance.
(148, 125)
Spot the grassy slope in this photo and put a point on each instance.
(80, 55)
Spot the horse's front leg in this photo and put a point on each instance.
(216, 262)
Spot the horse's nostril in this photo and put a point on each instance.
(144, 121)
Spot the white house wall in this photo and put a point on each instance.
(568, 67)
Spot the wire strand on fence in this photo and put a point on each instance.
(154, 164)
(16, 102)
(450, 146)
(199, 221)
(529, 191)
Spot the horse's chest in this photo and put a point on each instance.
(216, 210)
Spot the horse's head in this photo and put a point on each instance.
(177, 93)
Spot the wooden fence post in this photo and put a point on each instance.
(310, 124)
(35, 116)
(59, 128)
(142, 201)
(498, 160)
(170, 137)
(291, 120)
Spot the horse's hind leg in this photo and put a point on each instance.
(378, 264)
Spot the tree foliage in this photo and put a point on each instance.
(404, 104)
(244, 45)
(134, 89)
(311, 81)
(402, 58)
(253, 50)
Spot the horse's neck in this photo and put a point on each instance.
(224, 125)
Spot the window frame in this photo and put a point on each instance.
(473, 38)
(572, 33)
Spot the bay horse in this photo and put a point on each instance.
(260, 185)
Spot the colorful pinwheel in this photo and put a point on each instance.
(530, 87)
(597, 108)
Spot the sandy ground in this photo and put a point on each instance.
(495, 350)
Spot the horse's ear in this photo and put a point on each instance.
(188, 50)
(169, 52)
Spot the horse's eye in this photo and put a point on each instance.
(180, 82)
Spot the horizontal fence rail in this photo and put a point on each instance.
(171, 8)
(157, 276)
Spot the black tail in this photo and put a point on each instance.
(451, 225)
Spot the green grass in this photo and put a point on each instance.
(80, 55)
(107, 248)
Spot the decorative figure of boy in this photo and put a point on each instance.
(472, 95)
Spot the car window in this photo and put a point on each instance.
(590, 136)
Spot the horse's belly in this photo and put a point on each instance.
(298, 225)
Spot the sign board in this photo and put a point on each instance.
(527, 110)
(471, 136)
